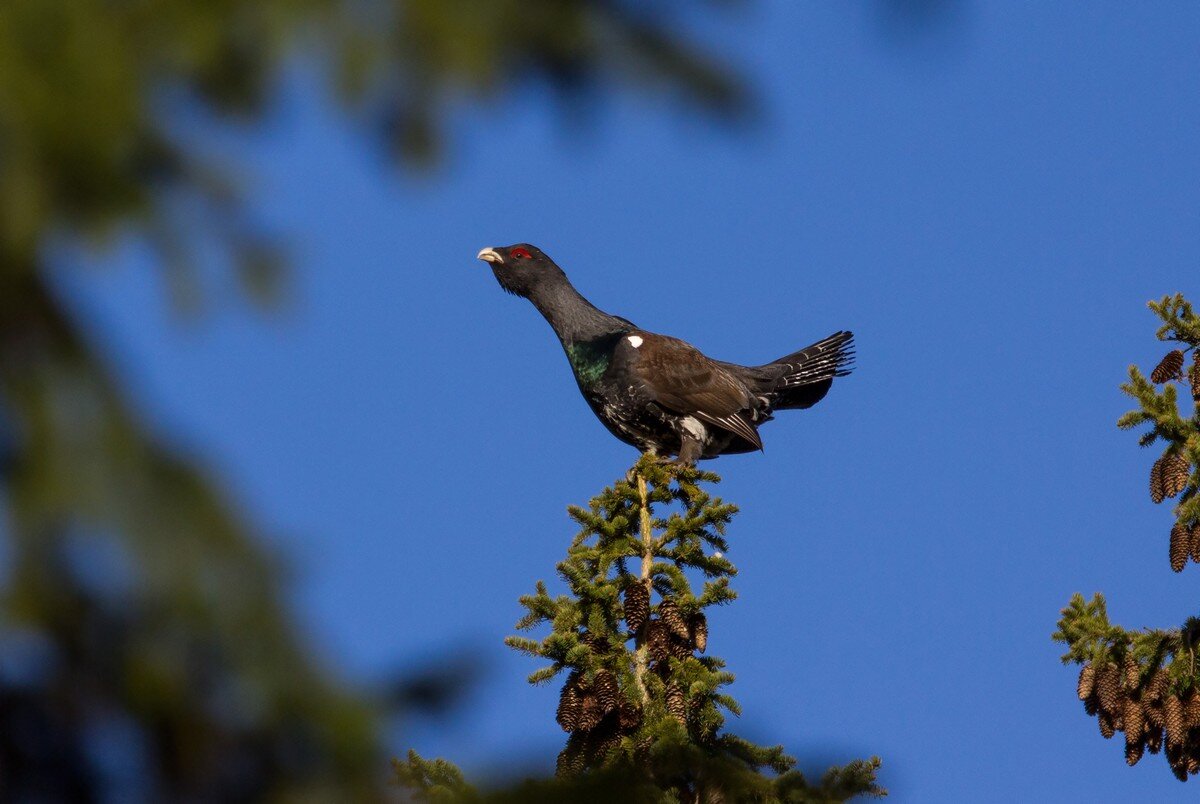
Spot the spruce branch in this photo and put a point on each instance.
(637, 695)
(1145, 683)
(644, 713)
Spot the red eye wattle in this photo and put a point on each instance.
(521, 253)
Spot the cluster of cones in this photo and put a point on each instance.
(1169, 476)
(668, 634)
(1150, 714)
(1171, 368)
(596, 713)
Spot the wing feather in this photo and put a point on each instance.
(685, 381)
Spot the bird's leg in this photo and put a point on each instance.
(689, 451)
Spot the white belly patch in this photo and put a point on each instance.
(695, 428)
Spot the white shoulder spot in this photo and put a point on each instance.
(635, 341)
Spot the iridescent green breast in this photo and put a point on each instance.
(590, 359)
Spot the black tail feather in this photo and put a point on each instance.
(809, 373)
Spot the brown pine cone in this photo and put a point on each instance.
(1133, 751)
(1087, 682)
(629, 717)
(1193, 764)
(1180, 547)
(1157, 686)
(1169, 368)
(698, 627)
(1154, 739)
(1091, 705)
(679, 648)
(1194, 376)
(1191, 710)
(1135, 721)
(598, 644)
(1108, 688)
(1154, 713)
(603, 745)
(571, 761)
(605, 687)
(590, 712)
(1107, 730)
(1132, 672)
(669, 613)
(637, 605)
(676, 702)
(1175, 472)
(1156, 484)
(1174, 721)
(657, 640)
(569, 704)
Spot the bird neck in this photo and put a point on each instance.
(574, 318)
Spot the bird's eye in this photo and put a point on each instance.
(521, 253)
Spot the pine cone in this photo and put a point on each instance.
(1133, 751)
(698, 626)
(679, 648)
(657, 640)
(598, 644)
(1157, 687)
(637, 605)
(1091, 705)
(1180, 546)
(1169, 368)
(1175, 472)
(676, 702)
(607, 692)
(669, 613)
(1108, 688)
(1174, 721)
(1154, 714)
(1191, 710)
(602, 743)
(1154, 739)
(590, 712)
(1106, 725)
(569, 704)
(1133, 673)
(1156, 484)
(571, 760)
(1087, 682)
(1194, 376)
(629, 717)
(1135, 721)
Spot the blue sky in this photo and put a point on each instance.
(987, 201)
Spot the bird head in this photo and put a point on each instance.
(521, 268)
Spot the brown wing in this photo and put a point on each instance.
(683, 380)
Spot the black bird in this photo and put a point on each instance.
(659, 393)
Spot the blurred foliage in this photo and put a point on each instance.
(144, 650)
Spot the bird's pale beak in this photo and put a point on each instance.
(490, 255)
